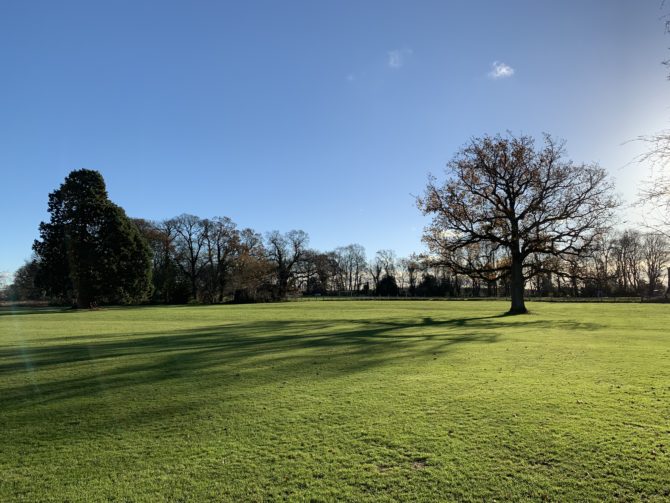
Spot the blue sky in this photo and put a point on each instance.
(316, 115)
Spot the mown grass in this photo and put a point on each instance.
(358, 401)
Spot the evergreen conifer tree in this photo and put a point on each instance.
(90, 251)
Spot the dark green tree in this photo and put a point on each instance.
(388, 287)
(90, 251)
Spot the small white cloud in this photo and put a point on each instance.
(351, 77)
(396, 58)
(500, 70)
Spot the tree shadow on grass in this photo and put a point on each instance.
(238, 340)
(72, 372)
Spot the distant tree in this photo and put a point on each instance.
(383, 264)
(4, 285)
(284, 251)
(170, 284)
(573, 269)
(388, 287)
(306, 273)
(226, 243)
(252, 270)
(376, 270)
(655, 256)
(221, 246)
(601, 276)
(190, 237)
(24, 286)
(90, 251)
(428, 286)
(505, 193)
(627, 249)
(316, 271)
(388, 261)
(411, 268)
(357, 263)
(351, 264)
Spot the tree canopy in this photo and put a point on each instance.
(509, 208)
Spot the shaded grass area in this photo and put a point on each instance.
(350, 401)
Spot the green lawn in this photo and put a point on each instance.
(383, 401)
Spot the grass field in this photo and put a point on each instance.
(383, 401)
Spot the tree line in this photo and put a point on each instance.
(211, 261)
(509, 219)
(90, 253)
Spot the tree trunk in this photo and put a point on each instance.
(194, 289)
(518, 304)
(283, 277)
(194, 281)
(84, 299)
(221, 284)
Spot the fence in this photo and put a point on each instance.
(621, 300)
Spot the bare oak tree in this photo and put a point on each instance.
(503, 195)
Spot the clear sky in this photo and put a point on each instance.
(324, 116)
